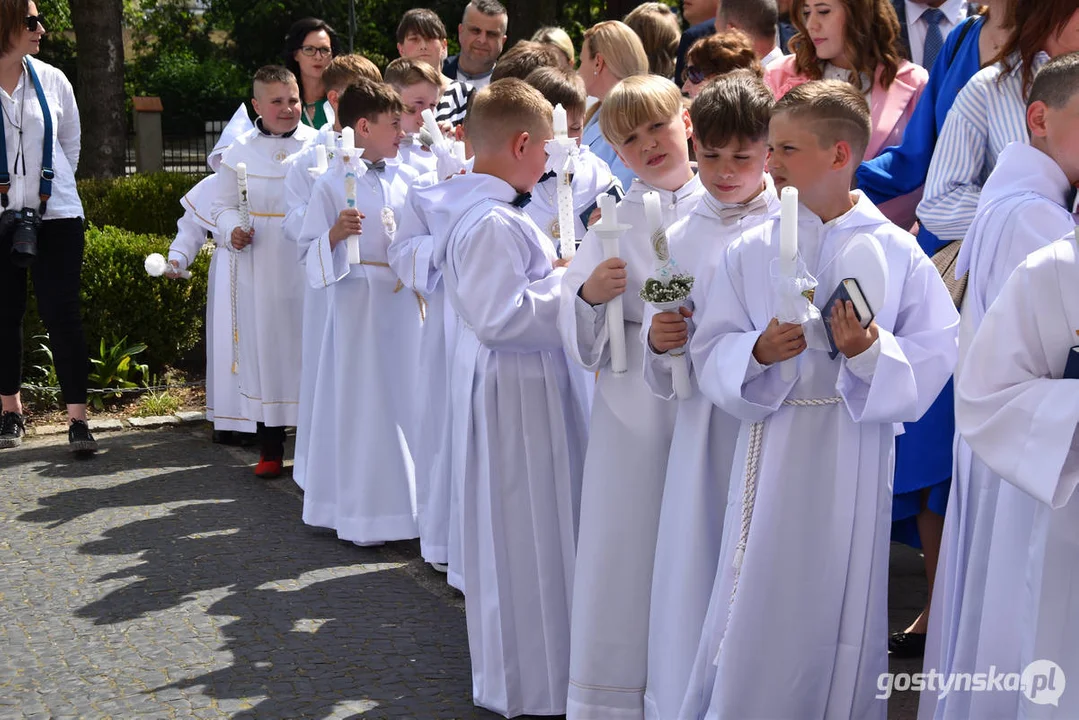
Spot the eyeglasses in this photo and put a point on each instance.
(695, 74)
(33, 21)
(311, 51)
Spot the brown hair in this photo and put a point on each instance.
(344, 70)
(503, 109)
(635, 101)
(1057, 82)
(405, 72)
(524, 57)
(737, 106)
(833, 110)
(1032, 23)
(756, 17)
(367, 99)
(269, 74)
(423, 22)
(870, 42)
(724, 52)
(560, 86)
(657, 27)
(13, 21)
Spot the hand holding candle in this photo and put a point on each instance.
(609, 232)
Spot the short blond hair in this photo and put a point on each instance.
(833, 110)
(620, 47)
(635, 101)
(503, 109)
(559, 38)
(344, 70)
(405, 72)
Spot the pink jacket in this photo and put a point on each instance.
(890, 111)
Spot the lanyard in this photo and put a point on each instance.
(47, 174)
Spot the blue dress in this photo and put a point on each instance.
(593, 138)
(924, 452)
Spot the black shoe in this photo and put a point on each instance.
(79, 438)
(12, 428)
(224, 437)
(906, 645)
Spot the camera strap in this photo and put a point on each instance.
(47, 174)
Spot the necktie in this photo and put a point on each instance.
(379, 166)
(934, 40)
(521, 200)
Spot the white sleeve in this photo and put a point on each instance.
(69, 132)
(190, 237)
(583, 326)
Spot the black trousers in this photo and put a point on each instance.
(56, 274)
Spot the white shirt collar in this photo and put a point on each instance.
(952, 10)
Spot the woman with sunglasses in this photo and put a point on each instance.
(41, 231)
(309, 46)
(718, 55)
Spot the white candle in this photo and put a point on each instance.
(459, 151)
(661, 251)
(608, 213)
(243, 207)
(561, 125)
(320, 158)
(609, 233)
(788, 231)
(431, 125)
(348, 138)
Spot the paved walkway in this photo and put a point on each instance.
(162, 580)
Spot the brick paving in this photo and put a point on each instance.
(162, 580)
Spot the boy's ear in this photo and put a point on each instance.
(841, 155)
(363, 127)
(255, 106)
(688, 123)
(1036, 116)
(520, 142)
(333, 97)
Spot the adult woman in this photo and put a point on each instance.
(309, 46)
(857, 41)
(657, 27)
(560, 39)
(610, 52)
(37, 212)
(718, 55)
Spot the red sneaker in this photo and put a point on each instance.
(268, 469)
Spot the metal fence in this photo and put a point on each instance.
(182, 154)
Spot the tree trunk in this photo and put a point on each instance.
(618, 9)
(528, 16)
(99, 47)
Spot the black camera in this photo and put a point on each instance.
(21, 226)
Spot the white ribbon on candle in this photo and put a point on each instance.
(563, 151)
(609, 231)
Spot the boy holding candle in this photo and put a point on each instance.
(519, 432)
(419, 85)
(268, 284)
(799, 600)
(730, 136)
(342, 71)
(363, 486)
(643, 119)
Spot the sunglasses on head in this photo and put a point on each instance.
(311, 51)
(695, 74)
(33, 21)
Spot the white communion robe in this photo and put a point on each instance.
(360, 478)
(298, 185)
(1020, 417)
(629, 437)
(269, 283)
(698, 468)
(801, 630)
(988, 524)
(412, 153)
(411, 257)
(521, 450)
(225, 407)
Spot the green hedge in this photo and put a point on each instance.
(148, 203)
(119, 299)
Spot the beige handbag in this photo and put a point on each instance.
(945, 260)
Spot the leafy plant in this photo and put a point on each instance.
(44, 375)
(157, 402)
(114, 368)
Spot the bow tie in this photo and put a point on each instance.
(546, 176)
(731, 214)
(521, 200)
(379, 166)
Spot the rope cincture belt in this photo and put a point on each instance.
(749, 490)
(400, 285)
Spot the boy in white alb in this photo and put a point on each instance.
(522, 430)
(365, 486)
(630, 430)
(1024, 205)
(730, 135)
(419, 86)
(800, 598)
(342, 71)
(269, 284)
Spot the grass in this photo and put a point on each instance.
(157, 403)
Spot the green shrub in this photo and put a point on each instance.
(145, 203)
(119, 299)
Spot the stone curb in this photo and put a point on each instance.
(135, 423)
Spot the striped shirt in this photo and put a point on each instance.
(453, 103)
(986, 117)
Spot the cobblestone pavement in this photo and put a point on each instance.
(162, 580)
